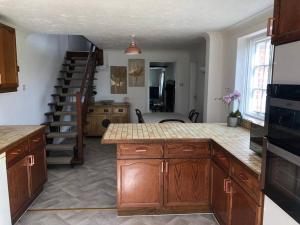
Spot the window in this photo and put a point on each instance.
(259, 72)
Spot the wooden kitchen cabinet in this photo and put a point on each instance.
(8, 59)
(220, 197)
(286, 21)
(94, 125)
(140, 183)
(244, 209)
(18, 177)
(186, 182)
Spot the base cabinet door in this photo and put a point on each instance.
(244, 209)
(140, 183)
(94, 125)
(38, 171)
(18, 177)
(220, 197)
(186, 182)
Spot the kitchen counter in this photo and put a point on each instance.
(235, 140)
(10, 135)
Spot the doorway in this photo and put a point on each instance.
(162, 87)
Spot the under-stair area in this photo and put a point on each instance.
(67, 116)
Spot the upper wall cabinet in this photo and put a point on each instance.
(8, 59)
(285, 26)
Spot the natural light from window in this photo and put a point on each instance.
(259, 76)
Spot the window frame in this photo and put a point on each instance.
(249, 73)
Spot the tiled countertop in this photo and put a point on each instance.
(235, 140)
(11, 134)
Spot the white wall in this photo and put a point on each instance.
(139, 96)
(78, 43)
(39, 58)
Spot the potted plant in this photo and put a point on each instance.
(233, 116)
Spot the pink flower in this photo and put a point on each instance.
(227, 99)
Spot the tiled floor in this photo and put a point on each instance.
(92, 185)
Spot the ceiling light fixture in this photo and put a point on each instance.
(133, 49)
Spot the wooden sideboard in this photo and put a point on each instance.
(115, 113)
(185, 177)
(26, 172)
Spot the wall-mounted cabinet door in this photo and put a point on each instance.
(286, 25)
(38, 170)
(18, 176)
(140, 183)
(220, 197)
(186, 182)
(8, 59)
(244, 209)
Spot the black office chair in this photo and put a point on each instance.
(139, 115)
(171, 121)
(191, 114)
(195, 117)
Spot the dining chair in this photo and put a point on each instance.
(195, 117)
(139, 116)
(171, 121)
(191, 114)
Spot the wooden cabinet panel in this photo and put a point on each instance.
(186, 182)
(36, 141)
(135, 151)
(220, 157)
(140, 183)
(286, 26)
(187, 150)
(244, 210)
(94, 125)
(18, 177)
(38, 171)
(17, 153)
(119, 118)
(220, 199)
(8, 59)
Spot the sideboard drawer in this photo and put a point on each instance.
(136, 151)
(36, 141)
(220, 157)
(120, 110)
(17, 153)
(187, 150)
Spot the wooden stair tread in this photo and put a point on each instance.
(62, 135)
(71, 78)
(70, 86)
(58, 113)
(60, 147)
(71, 71)
(61, 103)
(75, 64)
(62, 160)
(64, 94)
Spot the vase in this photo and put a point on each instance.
(232, 121)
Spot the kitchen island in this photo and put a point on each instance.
(183, 168)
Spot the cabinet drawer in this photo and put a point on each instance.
(36, 141)
(187, 150)
(132, 151)
(247, 180)
(17, 153)
(220, 157)
(120, 110)
(99, 110)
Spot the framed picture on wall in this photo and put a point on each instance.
(136, 72)
(118, 79)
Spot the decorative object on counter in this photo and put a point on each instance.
(234, 116)
(136, 71)
(118, 79)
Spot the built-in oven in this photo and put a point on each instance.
(281, 155)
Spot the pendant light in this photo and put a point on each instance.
(133, 49)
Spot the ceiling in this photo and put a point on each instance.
(109, 23)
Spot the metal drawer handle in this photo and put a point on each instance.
(16, 152)
(243, 177)
(140, 150)
(227, 186)
(31, 160)
(270, 27)
(36, 140)
(187, 150)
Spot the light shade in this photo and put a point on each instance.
(133, 49)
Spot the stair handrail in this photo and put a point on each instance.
(82, 99)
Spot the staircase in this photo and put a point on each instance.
(67, 115)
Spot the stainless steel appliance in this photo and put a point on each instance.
(281, 156)
(257, 133)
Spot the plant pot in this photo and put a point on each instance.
(232, 121)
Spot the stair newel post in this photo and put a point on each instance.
(79, 156)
